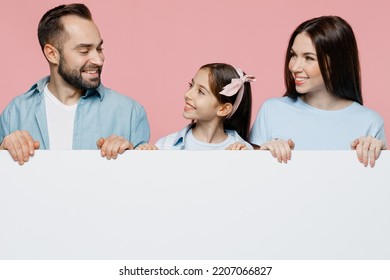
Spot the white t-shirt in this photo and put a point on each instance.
(60, 122)
(194, 144)
(179, 141)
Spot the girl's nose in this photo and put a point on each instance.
(187, 95)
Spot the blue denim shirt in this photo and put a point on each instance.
(100, 112)
(176, 141)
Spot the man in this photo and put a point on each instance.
(71, 109)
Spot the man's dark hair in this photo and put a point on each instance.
(51, 29)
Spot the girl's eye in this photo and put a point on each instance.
(309, 58)
(190, 85)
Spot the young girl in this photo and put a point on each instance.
(322, 107)
(218, 103)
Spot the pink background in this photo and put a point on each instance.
(154, 48)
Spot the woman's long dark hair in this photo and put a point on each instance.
(337, 54)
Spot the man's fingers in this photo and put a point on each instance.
(100, 142)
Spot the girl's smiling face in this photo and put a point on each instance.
(200, 103)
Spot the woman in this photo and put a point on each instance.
(322, 108)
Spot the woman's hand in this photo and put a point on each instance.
(279, 148)
(368, 149)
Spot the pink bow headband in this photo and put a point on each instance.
(237, 85)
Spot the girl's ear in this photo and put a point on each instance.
(225, 109)
(51, 54)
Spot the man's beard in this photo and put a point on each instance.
(74, 77)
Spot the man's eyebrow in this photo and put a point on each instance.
(84, 45)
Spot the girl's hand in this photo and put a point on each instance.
(146, 146)
(279, 148)
(368, 148)
(237, 146)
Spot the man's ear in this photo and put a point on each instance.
(225, 109)
(52, 54)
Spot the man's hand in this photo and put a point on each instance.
(20, 145)
(111, 146)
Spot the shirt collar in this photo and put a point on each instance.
(182, 134)
(100, 90)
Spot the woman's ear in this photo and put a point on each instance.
(225, 109)
(52, 54)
